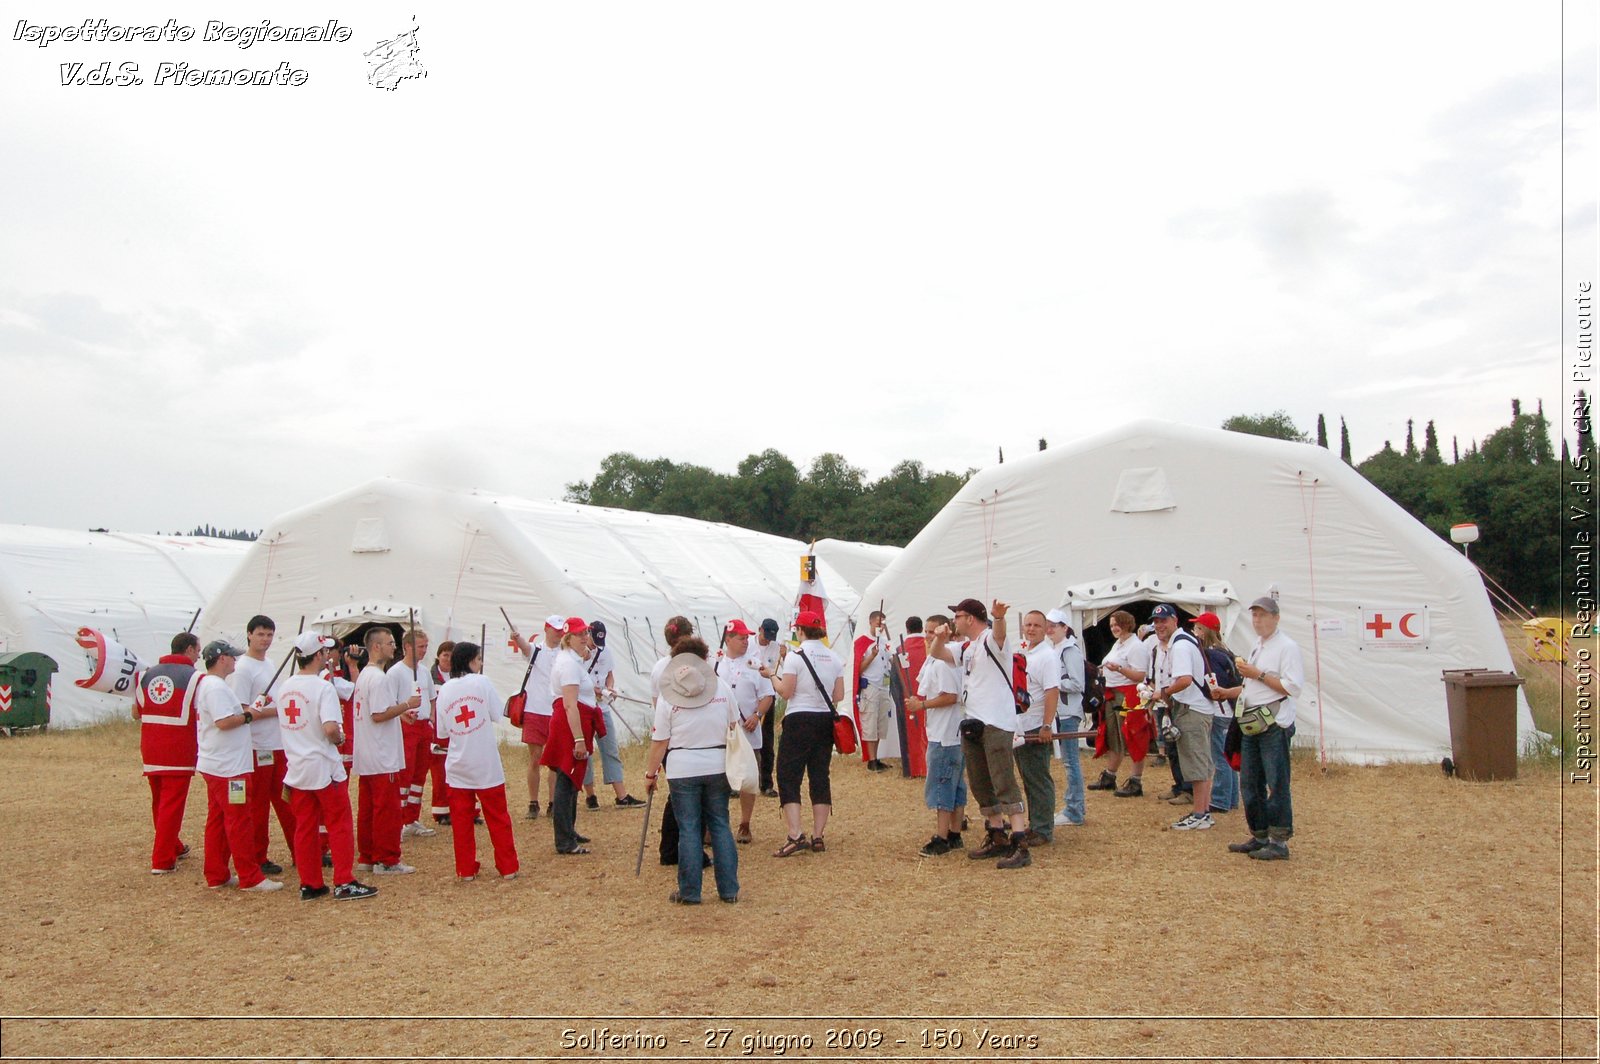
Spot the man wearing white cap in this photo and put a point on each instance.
(1273, 677)
(311, 723)
(536, 716)
(1069, 712)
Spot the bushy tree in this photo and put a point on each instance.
(1278, 425)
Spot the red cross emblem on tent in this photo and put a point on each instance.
(5, 698)
(464, 718)
(1394, 626)
(291, 710)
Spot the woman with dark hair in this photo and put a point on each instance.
(693, 713)
(574, 722)
(812, 682)
(468, 707)
(1123, 727)
(1225, 688)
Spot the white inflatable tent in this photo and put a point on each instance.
(1207, 519)
(858, 563)
(141, 590)
(389, 549)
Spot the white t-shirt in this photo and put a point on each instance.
(305, 704)
(404, 686)
(988, 682)
(539, 697)
(749, 687)
(222, 753)
(1281, 655)
(768, 654)
(570, 669)
(696, 738)
(1129, 651)
(944, 722)
(249, 680)
(1044, 673)
(807, 699)
(468, 708)
(876, 671)
(379, 746)
(1183, 657)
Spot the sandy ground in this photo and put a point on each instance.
(1419, 916)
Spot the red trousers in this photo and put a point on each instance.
(230, 832)
(168, 797)
(266, 797)
(318, 811)
(419, 758)
(378, 819)
(465, 833)
(441, 788)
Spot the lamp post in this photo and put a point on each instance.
(1465, 534)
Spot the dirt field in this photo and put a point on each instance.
(1419, 916)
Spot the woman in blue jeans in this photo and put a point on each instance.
(693, 714)
(1219, 660)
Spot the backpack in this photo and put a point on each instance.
(1094, 689)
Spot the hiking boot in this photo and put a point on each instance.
(1106, 782)
(1019, 858)
(997, 844)
(937, 846)
(1133, 788)
(533, 811)
(1274, 850)
(1250, 845)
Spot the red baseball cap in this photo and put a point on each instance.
(737, 627)
(811, 619)
(575, 625)
(1210, 620)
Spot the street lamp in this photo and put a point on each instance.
(1464, 534)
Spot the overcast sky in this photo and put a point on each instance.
(692, 229)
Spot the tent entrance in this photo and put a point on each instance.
(1093, 602)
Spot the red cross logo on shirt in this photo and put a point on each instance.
(1377, 626)
(291, 709)
(465, 716)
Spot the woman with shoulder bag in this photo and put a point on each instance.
(694, 711)
(812, 682)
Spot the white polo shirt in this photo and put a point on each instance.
(404, 685)
(749, 687)
(305, 704)
(807, 697)
(1281, 655)
(221, 753)
(468, 708)
(568, 669)
(944, 722)
(696, 738)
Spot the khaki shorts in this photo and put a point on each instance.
(1194, 742)
(876, 704)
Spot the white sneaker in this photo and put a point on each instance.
(1195, 822)
(399, 868)
(417, 829)
(362, 866)
(233, 881)
(267, 885)
(1063, 822)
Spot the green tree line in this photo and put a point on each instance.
(768, 493)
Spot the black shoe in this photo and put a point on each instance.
(1250, 845)
(327, 860)
(1274, 850)
(353, 891)
(1133, 788)
(592, 802)
(443, 819)
(954, 839)
(768, 792)
(628, 801)
(1106, 782)
(581, 838)
(937, 846)
(308, 893)
(268, 868)
(533, 811)
(705, 860)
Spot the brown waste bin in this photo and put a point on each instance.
(1483, 722)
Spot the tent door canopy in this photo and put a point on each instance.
(354, 618)
(1092, 602)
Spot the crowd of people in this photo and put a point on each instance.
(995, 709)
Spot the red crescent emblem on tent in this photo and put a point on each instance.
(1408, 633)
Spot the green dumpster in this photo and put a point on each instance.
(25, 690)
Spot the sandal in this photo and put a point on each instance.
(818, 846)
(574, 851)
(792, 847)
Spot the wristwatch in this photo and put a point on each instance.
(249, 716)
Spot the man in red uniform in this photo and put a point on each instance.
(410, 675)
(163, 704)
(913, 652)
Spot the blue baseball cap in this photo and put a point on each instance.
(1162, 611)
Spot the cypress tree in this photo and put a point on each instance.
(1344, 442)
(1430, 445)
(1322, 432)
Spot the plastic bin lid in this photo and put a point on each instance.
(1553, 624)
(1481, 678)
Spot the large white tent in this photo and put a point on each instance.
(140, 590)
(1206, 519)
(389, 550)
(858, 563)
